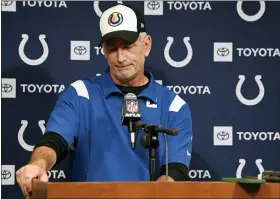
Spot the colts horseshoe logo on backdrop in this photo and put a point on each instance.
(178, 64)
(97, 9)
(251, 18)
(33, 62)
(251, 102)
(21, 131)
(242, 163)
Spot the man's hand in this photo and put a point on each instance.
(163, 179)
(26, 174)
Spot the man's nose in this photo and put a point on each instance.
(121, 55)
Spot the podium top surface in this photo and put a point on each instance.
(154, 190)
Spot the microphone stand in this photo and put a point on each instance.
(150, 141)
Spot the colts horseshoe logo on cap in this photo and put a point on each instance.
(115, 19)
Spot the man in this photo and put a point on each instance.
(87, 115)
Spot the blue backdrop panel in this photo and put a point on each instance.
(221, 57)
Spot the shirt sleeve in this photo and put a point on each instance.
(56, 142)
(180, 146)
(64, 118)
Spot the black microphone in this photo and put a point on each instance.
(131, 113)
(158, 128)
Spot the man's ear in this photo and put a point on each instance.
(104, 50)
(148, 45)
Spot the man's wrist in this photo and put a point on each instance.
(41, 163)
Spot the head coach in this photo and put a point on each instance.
(88, 113)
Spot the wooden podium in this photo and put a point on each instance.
(154, 190)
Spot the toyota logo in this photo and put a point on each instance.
(6, 3)
(223, 135)
(6, 88)
(80, 50)
(5, 174)
(153, 5)
(223, 52)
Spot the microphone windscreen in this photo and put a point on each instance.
(130, 96)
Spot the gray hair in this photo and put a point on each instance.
(142, 36)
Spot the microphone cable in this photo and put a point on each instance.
(166, 157)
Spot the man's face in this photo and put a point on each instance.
(126, 61)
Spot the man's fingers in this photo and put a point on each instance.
(25, 181)
(21, 185)
(22, 177)
(25, 177)
(18, 177)
(44, 178)
(25, 192)
(28, 183)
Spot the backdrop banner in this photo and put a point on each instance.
(222, 58)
